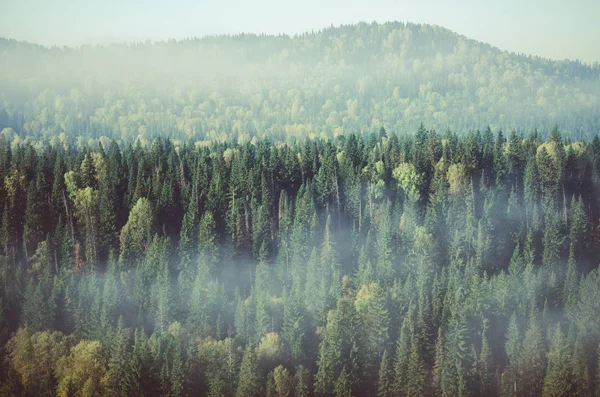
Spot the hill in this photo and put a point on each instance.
(350, 78)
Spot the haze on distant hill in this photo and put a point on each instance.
(554, 29)
(350, 78)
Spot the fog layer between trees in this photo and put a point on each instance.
(423, 264)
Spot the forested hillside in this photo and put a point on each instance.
(348, 79)
(383, 265)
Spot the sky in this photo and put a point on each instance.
(555, 29)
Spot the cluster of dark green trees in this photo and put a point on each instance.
(353, 78)
(385, 265)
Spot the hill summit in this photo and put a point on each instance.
(355, 78)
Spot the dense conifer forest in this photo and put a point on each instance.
(381, 264)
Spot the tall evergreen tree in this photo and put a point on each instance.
(558, 372)
(249, 382)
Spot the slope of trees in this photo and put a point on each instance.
(355, 78)
(387, 265)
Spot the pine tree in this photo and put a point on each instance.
(187, 237)
(262, 321)
(249, 383)
(401, 374)
(453, 373)
(177, 375)
(261, 233)
(108, 202)
(384, 383)
(365, 274)
(533, 361)
(530, 188)
(383, 264)
(293, 330)
(512, 347)
(208, 249)
(371, 307)
(137, 232)
(578, 225)
(34, 228)
(557, 381)
(162, 297)
(416, 370)
(548, 176)
(580, 376)
(302, 382)
(112, 298)
(328, 352)
(330, 267)
(485, 362)
(342, 386)
(438, 365)
(271, 389)
(571, 285)
(283, 382)
(552, 240)
(118, 375)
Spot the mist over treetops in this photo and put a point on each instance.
(352, 78)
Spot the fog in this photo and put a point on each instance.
(552, 29)
(363, 210)
(355, 78)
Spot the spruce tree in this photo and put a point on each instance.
(342, 386)
(249, 382)
(384, 382)
(557, 381)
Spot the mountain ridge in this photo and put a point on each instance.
(349, 78)
(210, 37)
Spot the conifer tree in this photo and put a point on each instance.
(384, 382)
(401, 374)
(118, 376)
(580, 376)
(570, 287)
(416, 370)
(302, 382)
(557, 380)
(533, 360)
(342, 386)
(578, 225)
(294, 322)
(249, 383)
(438, 366)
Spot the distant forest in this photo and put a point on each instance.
(347, 79)
(420, 264)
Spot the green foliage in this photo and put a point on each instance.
(33, 357)
(81, 370)
(249, 383)
(342, 386)
(283, 382)
(312, 257)
(557, 381)
(384, 381)
(294, 327)
(137, 232)
(336, 80)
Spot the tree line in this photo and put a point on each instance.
(353, 78)
(380, 265)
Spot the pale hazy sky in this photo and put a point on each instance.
(551, 28)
